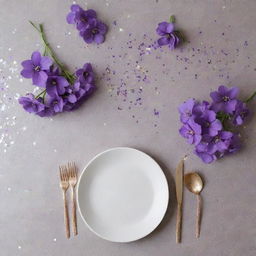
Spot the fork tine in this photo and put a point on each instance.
(66, 174)
(74, 170)
(61, 174)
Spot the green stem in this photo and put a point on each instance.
(172, 19)
(42, 92)
(48, 50)
(250, 98)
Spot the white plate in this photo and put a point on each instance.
(122, 195)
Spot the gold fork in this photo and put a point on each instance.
(64, 184)
(72, 171)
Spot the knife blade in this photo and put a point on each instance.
(179, 195)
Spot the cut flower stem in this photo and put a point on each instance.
(250, 98)
(48, 51)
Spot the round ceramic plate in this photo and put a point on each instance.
(122, 195)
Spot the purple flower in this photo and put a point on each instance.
(210, 125)
(94, 32)
(235, 144)
(168, 35)
(77, 94)
(218, 143)
(56, 103)
(36, 68)
(80, 17)
(31, 104)
(241, 112)
(186, 110)
(53, 71)
(55, 85)
(191, 131)
(85, 75)
(224, 99)
(200, 108)
(201, 151)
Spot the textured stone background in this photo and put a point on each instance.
(139, 90)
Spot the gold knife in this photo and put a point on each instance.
(179, 195)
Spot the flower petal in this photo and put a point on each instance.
(233, 92)
(91, 13)
(27, 73)
(223, 90)
(71, 18)
(99, 38)
(226, 135)
(36, 57)
(163, 41)
(27, 64)
(45, 63)
(216, 97)
(72, 98)
(51, 90)
(39, 78)
(170, 28)
(197, 139)
(230, 106)
(75, 8)
(206, 158)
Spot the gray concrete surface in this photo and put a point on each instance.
(221, 51)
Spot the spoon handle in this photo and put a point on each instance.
(198, 215)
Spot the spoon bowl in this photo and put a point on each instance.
(194, 182)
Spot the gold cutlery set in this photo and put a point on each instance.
(68, 178)
(194, 184)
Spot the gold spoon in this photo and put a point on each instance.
(194, 184)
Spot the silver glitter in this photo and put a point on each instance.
(54, 239)
(9, 189)
(121, 29)
(19, 247)
(36, 89)
(34, 143)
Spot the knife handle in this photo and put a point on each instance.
(178, 224)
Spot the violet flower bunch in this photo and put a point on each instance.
(90, 28)
(169, 36)
(62, 90)
(212, 126)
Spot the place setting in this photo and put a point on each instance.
(122, 195)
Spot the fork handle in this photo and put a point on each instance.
(74, 221)
(66, 219)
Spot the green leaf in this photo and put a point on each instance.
(180, 35)
(172, 19)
